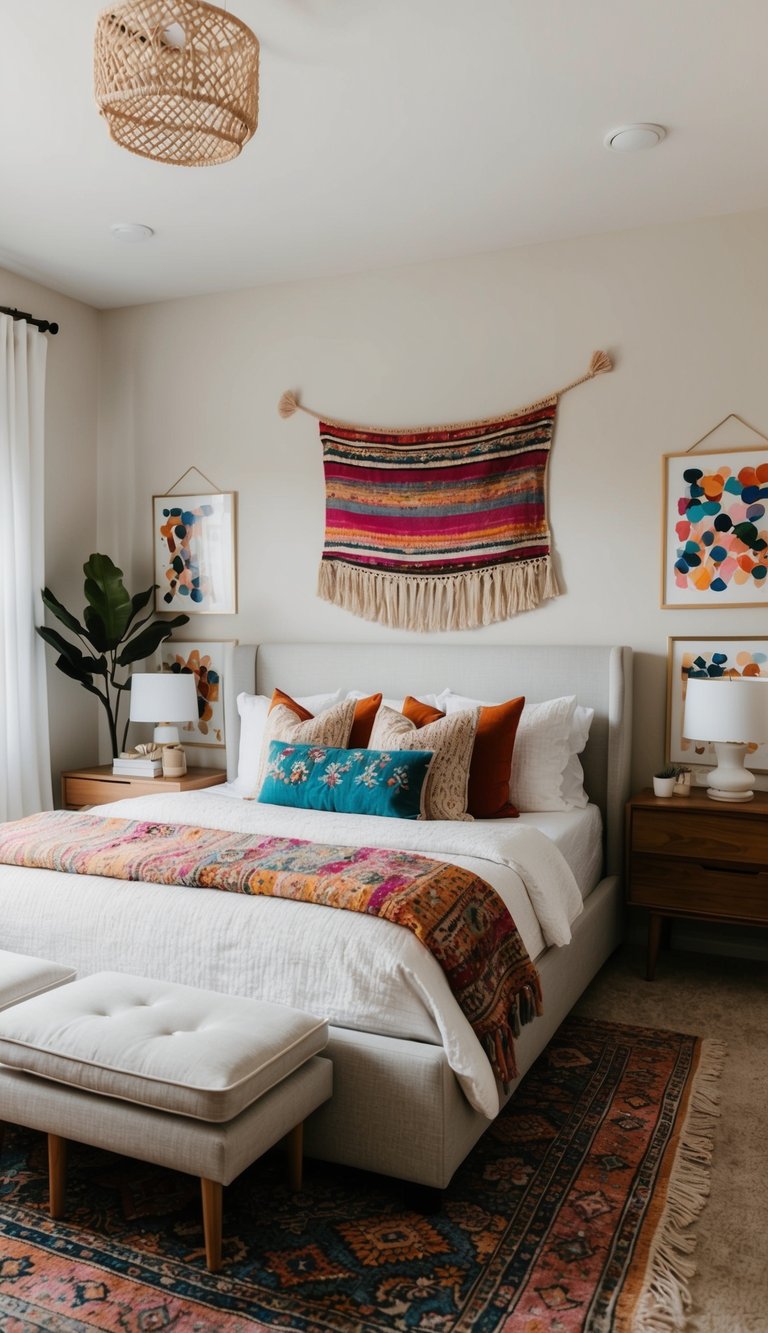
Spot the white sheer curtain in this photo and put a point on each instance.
(25, 764)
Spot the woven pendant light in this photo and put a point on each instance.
(177, 80)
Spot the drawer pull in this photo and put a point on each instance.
(731, 870)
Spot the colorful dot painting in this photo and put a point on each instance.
(181, 530)
(205, 664)
(712, 666)
(722, 530)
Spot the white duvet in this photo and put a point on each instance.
(357, 971)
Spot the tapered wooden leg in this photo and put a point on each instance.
(654, 940)
(294, 1143)
(212, 1209)
(57, 1173)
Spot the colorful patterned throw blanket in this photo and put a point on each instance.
(459, 918)
(439, 527)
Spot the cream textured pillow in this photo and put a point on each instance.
(254, 710)
(450, 739)
(329, 728)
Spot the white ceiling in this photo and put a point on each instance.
(392, 131)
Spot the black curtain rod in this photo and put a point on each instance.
(44, 325)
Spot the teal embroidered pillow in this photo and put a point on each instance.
(354, 782)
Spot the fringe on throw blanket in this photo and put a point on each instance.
(665, 1297)
(433, 602)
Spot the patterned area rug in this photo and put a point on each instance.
(573, 1213)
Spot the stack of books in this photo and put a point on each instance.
(140, 767)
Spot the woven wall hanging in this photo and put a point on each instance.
(439, 527)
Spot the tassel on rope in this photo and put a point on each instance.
(288, 404)
(600, 363)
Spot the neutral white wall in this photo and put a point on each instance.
(70, 491)
(681, 308)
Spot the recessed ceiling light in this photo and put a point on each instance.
(631, 138)
(131, 232)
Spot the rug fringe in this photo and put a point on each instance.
(434, 602)
(666, 1301)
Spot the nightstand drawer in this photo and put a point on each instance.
(699, 834)
(696, 889)
(77, 792)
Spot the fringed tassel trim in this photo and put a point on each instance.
(434, 602)
(499, 1044)
(666, 1299)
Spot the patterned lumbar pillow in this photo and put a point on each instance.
(329, 728)
(451, 740)
(390, 783)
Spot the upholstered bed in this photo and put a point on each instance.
(413, 1090)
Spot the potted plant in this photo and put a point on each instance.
(115, 635)
(664, 781)
(682, 780)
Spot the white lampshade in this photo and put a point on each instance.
(732, 712)
(163, 697)
(727, 709)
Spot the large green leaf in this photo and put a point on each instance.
(140, 599)
(61, 613)
(96, 631)
(148, 640)
(85, 680)
(109, 599)
(82, 664)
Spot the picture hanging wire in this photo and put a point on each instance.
(732, 416)
(200, 473)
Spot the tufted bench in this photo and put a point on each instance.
(22, 976)
(188, 1079)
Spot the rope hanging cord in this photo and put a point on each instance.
(600, 364)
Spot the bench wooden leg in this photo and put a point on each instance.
(57, 1174)
(212, 1211)
(295, 1146)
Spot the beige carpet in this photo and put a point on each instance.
(726, 998)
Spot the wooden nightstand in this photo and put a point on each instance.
(98, 786)
(690, 856)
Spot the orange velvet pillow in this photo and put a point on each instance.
(365, 712)
(491, 764)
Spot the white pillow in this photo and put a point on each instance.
(549, 737)
(253, 710)
(572, 781)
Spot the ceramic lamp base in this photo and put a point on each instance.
(730, 781)
(717, 795)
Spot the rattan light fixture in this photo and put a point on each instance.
(177, 80)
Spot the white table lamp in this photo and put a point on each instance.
(164, 698)
(732, 712)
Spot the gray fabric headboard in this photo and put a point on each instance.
(600, 677)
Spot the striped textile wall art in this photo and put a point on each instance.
(439, 527)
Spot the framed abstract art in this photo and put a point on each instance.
(194, 553)
(727, 655)
(715, 515)
(209, 663)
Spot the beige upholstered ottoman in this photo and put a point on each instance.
(189, 1079)
(22, 976)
